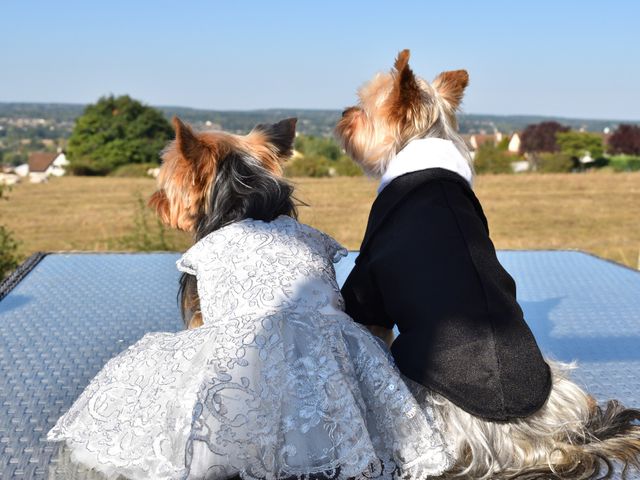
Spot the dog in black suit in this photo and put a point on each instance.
(428, 266)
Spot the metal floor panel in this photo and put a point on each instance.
(72, 312)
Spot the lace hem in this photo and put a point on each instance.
(70, 466)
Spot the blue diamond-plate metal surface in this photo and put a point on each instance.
(58, 327)
(73, 312)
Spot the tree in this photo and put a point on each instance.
(15, 158)
(541, 137)
(504, 143)
(308, 166)
(548, 162)
(625, 140)
(491, 159)
(346, 167)
(320, 157)
(116, 131)
(324, 147)
(577, 144)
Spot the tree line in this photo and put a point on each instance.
(553, 147)
(121, 136)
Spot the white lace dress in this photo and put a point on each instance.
(278, 383)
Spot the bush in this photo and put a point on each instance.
(600, 162)
(133, 170)
(320, 166)
(345, 167)
(554, 163)
(308, 166)
(504, 143)
(9, 258)
(318, 146)
(491, 159)
(624, 163)
(83, 168)
(320, 157)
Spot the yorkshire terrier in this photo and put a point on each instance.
(203, 176)
(566, 434)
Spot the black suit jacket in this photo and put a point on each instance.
(427, 265)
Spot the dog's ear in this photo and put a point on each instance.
(407, 92)
(187, 142)
(281, 135)
(451, 85)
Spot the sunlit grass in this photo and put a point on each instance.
(598, 213)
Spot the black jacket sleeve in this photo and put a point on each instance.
(363, 301)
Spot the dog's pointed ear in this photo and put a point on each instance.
(407, 91)
(451, 85)
(402, 60)
(281, 135)
(187, 142)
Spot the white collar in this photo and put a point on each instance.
(427, 153)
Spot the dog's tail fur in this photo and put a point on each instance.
(609, 436)
(571, 437)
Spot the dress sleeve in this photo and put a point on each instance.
(335, 251)
(189, 262)
(186, 265)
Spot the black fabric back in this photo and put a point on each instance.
(427, 265)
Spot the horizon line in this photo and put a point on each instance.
(267, 109)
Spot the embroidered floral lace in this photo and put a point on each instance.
(278, 384)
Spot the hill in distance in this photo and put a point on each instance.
(310, 122)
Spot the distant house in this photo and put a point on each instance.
(44, 164)
(520, 166)
(514, 143)
(513, 148)
(22, 170)
(478, 139)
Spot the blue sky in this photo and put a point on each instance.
(567, 58)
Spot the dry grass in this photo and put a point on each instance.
(598, 213)
(76, 213)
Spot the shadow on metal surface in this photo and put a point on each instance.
(15, 301)
(619, 347)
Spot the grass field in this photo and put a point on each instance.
(598, 213)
